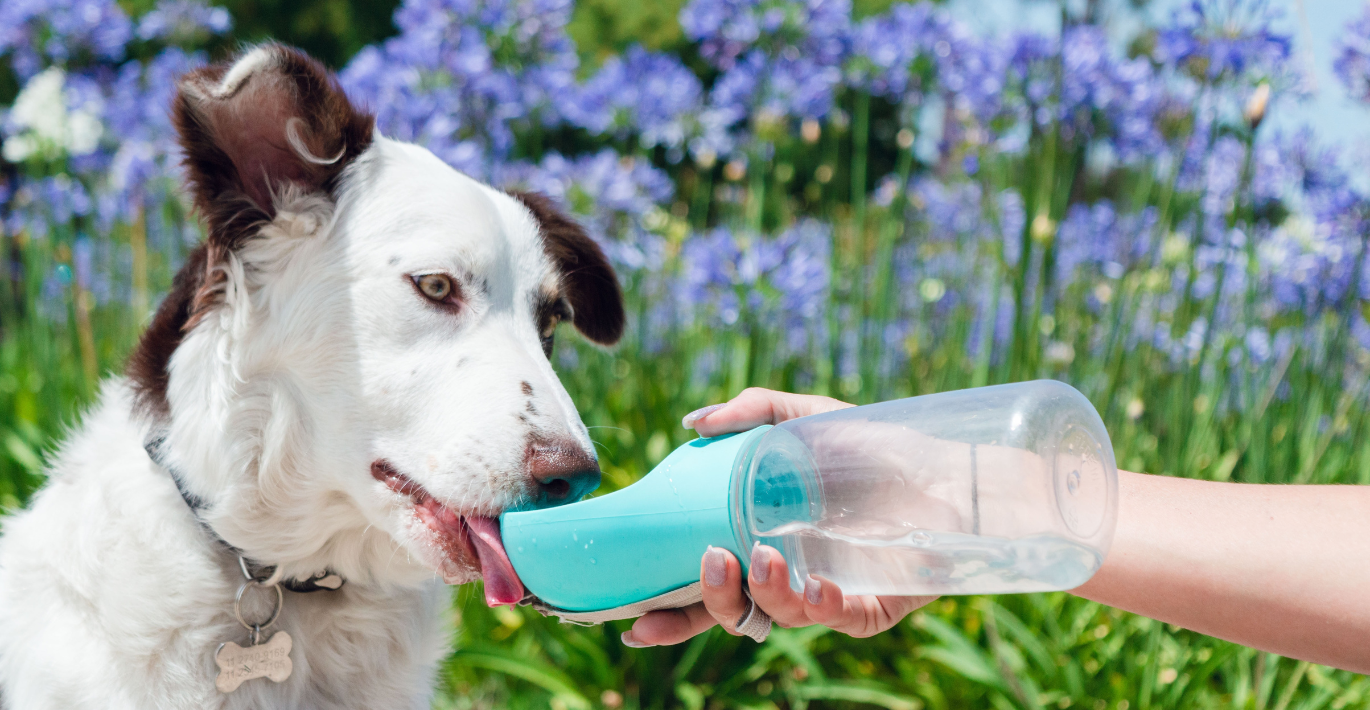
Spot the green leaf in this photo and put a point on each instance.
(535, 672)
(857, 693)
(959, 654)
(23, 454)
(690, 696)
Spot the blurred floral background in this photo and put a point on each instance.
(869, 201)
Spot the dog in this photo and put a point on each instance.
(346, 385)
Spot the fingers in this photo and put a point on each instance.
(769, 583)
(754, 407)
(858, 616)
(722, 588)
(899, 607)
(663, 628)
(821, 602)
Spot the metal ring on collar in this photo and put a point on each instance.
(273, 579)
(238, 605)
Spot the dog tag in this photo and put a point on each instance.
(267, 660)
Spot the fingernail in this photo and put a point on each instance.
(688, 421)
(813, 591)
(715, 567)
(761, 564)
(630, 642)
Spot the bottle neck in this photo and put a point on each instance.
(737, 497)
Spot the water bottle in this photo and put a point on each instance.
(1003, 489)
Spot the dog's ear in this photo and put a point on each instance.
(271, 120)
(257, 125)
(586, 276)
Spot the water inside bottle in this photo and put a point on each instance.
(880, 509)
(931, 562)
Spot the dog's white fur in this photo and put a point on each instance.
(319, 358)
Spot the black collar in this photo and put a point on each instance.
(325, 581)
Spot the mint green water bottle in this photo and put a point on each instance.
(1003, 489)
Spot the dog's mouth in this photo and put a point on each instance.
(461, 537)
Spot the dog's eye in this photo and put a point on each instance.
(435, 287)
(553, 315)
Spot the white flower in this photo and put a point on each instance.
(83, 133)
(41, 121)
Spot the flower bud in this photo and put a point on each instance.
(1256, 105)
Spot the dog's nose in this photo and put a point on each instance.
(564, 472)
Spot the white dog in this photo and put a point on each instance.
(346, 385)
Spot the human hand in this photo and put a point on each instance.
(821, 602)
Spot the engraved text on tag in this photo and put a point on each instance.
(267, 660)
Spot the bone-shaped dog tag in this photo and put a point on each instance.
(267, 660)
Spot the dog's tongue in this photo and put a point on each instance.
(502, 584)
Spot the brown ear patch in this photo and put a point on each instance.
(588, 279)
(147, 367)
(272, 116)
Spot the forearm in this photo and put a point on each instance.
(1279, 568)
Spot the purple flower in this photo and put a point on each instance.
(39, 33)
(727, 29)
(886, 48)
(778, 57)
(463, 75)
(652, 95)
(1353, 57)
(1223, 40)
(782, 280)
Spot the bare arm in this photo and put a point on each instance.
(1279, 568)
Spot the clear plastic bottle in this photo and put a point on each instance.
(1003, 489)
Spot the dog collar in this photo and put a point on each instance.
(326, 581)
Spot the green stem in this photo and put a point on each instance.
(701, 198)
(756, 194)
(859, 306)
(860, 146)
(889, 230)
(1234, 216)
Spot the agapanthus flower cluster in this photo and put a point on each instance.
(781, 279)
(1353, 57)
(464, 74)
(892, 53)
(1095, 83)
(778, 57)
(649, 95)
(1099, 237)
(916, 50)
(1225, 40)
(39, 33)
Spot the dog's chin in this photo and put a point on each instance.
(463, 548)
